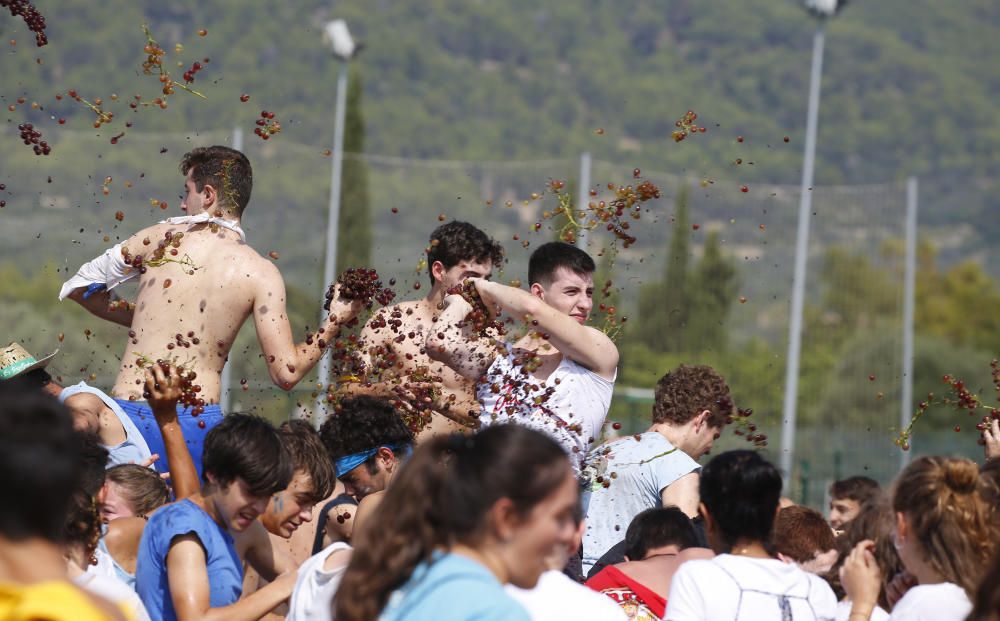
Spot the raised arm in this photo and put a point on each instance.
(288, 362)
(451, 341)
(584, 345)
(163, 390)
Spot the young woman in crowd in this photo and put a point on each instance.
(946, 533)
(131, 490)
(464, 517)
(739, 500)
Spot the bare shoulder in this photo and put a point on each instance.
(367, 508)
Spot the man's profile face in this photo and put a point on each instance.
(290, 507)
(456, 274)
(361, 481)
(842, 511)
(193, 202)
(570, 293)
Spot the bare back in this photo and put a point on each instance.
(191, 315)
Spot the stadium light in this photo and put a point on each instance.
(822, 10)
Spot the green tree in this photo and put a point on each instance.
(355, 227)
(712, 288)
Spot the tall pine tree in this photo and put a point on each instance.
(712, 288)
(355, 231)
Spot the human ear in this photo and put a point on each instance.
(504, 519)
(537, 290)
(211, 195)
(437, 271)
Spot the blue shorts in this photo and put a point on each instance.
(194, 428)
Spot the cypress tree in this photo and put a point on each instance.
(354, 225)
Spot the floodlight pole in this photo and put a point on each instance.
(330, 265)
(909, 295)
(801, 254)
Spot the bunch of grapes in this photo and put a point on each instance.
(155, 55)
(362, 284)
(479, 316)
(686, 125)
(31, 17)
(193, 71)
(266, 125)
(743, 427)
(189, 390)
(32, 136)
(961, 399)
(166, 250)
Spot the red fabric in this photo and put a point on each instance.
(612, 582)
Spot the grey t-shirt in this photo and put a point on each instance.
(637, 471)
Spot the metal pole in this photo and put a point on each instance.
(801, 254)
(583, 196)
(330, 264)
(227, 369)
(909, 292)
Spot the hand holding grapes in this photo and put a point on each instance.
(342, 309)
(164, 388)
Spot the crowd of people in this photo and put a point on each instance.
(461, 473)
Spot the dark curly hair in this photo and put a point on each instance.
(456, 241)
(689, 390)
(362, 423)
(227, 170)
(309, 455)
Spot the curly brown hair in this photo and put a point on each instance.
(689, 390)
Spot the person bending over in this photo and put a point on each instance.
(189, 564)
(559, 377)
(658, 467)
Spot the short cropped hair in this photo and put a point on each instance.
(859, 489)
(142, 488)
(457, 241)
(225, 169)
(247, 447)
(658, 527)
(40, 462)
(801, 533)
(687, 391)
(548, 258)
(310, 456)
(362, 423)
(741, 490)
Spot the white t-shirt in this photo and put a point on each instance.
(100, 579)
(642, 468)
(844, 612)
(570, 406)
(933, 602)
(556, 596)
(738, 588)
(314, 588)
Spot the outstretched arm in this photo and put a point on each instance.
(163, 390)
(584, 345)
(452, 342)
(288, 362)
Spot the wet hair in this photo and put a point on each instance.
(876, 522)
(801, 533)
(441, 497)
(689, 390)
(310, 456)
(548, 258)
(40, 457)
(247, 447)
(362, 423)
(950, 518)
(225, 169)
(741, 490)
(658, 527)
(141, 487)
(859, 489)
(456, 241)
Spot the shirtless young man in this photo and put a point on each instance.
(559, 377)
(458, 250)
(192, 306)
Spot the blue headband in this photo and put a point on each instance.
(347, 463)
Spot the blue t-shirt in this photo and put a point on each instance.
(225, 571)
(452, 588)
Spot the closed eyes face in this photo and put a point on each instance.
(456, 274)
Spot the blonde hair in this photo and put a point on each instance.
(946, 504)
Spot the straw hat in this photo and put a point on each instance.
(15, 360)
